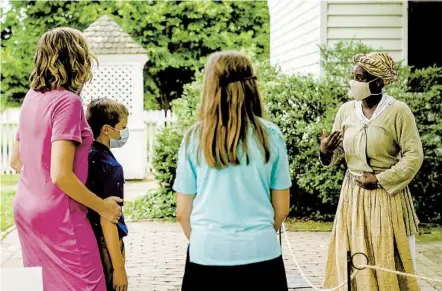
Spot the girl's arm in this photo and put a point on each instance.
(281, 205)
(184, 204)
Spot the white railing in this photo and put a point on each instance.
(154, 121)
(8, 132)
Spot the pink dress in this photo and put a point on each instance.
(53, 229)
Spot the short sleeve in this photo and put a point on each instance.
(67, 119)
(185, 181)
(280, 177)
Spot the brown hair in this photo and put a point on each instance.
(104, 111)
(62, 60)
(230, 104)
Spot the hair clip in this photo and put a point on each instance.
(233, 80)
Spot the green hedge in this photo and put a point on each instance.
(302, 106)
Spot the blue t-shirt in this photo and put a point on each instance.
(232, 216)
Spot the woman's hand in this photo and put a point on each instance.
(329, 143)
(110, 210)
(368, 181)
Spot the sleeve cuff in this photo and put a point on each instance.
(184, 191)
(381, 183)
(379, 178)
(68, 137)
(281, 186)
(321, 159)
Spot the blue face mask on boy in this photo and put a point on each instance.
(118, 143)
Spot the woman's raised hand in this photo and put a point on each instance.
(329, 143)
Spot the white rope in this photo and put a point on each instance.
(400, 273)
(352, 276)
(302, 273)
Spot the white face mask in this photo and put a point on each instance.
(124, 136)
(360, 90)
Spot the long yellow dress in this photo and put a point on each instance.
(376, 222)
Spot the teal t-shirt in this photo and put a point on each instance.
(232, 216)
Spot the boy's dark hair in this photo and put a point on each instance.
(104, 111)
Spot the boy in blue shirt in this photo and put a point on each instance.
(108, 121)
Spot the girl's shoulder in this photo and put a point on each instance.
(272, 128)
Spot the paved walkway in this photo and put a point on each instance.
(156, 255)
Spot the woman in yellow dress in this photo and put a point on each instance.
(378, 137)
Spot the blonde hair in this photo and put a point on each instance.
(62, 60)
(230, 105)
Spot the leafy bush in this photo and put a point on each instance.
(426, 104)
(159, 204)
(304, 105)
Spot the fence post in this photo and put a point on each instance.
(8, 130)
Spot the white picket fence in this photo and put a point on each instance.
(154, 121)
(8, 131)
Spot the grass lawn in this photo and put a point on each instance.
(8, 180)
(7, 193)
(7, 218)
(307, 225)
(429, 234)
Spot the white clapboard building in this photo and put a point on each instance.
(408, 30)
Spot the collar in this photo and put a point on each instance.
(386, 101)
(101, 147)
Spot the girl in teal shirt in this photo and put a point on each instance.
(232, 185)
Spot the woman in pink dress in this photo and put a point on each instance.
(51, 154)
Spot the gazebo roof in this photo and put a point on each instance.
(106, 37)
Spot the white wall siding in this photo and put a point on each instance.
(380, 25)
(295, 35)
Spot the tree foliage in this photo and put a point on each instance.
(177, 34)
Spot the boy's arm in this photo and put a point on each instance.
(110, 233)
(113, 186)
